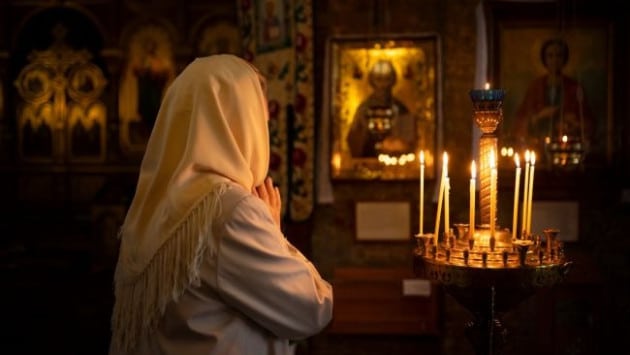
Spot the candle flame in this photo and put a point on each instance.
(527, 154)
(487, 86)
(337, 161)
(565, 138)
(532, 158)
(517, 161)
(422, 157)
(473, 169)
(445, 163)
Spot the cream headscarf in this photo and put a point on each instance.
(211, 128)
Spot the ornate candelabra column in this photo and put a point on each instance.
(488, 113)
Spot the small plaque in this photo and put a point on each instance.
(383, 221)
(416, 287)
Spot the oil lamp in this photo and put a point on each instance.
(565, 151)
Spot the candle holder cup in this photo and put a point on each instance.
(488, 108)
(423, 243)
(461, 230)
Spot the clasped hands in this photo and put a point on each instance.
(270, 195)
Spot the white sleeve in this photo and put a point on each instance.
(261, 274)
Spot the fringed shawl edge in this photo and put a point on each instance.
(140, 304)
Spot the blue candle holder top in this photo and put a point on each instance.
(487, 95)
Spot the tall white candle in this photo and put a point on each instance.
(525, 198)
(447, 213)
(530, 193)
(493, 192)
(440, 196)
(517, 181)
(421, 191)
(471, 213)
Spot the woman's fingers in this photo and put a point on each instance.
(262, 192)
(271, 196)
(267, 192)
(272, 192)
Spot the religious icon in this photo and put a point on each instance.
(149, 70)
(57, 89)
(382, 123)
(557, 83)
(383, 99)
(272, 17)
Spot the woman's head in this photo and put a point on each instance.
(211, 128)
(554, 54)
(214, 120)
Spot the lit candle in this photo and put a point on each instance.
(517, 182)
(525, 198)
(487, 86)
(440, 196)
(493, 192)
(336, 161)
(471, 213)
(421, 191)
(530, 194)
(447, 222)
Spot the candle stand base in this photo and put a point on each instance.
(488, 289)
(487, 336)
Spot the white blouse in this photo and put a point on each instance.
(258, 293)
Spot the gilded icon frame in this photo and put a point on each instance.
(351, 60)
(516, 35)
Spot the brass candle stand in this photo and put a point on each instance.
(492, 278)
(489, 272)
